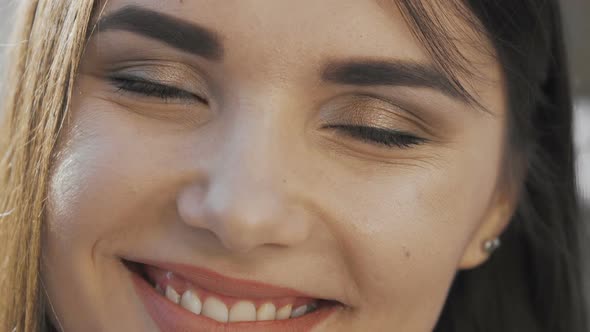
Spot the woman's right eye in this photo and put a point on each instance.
(141, 86)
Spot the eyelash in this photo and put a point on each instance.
(152, 89)
(371, 135)
(380, 137)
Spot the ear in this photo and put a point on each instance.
(496, 219)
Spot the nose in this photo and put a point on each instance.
(245, 201)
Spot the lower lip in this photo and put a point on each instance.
(172, 317)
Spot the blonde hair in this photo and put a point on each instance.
(48, 44)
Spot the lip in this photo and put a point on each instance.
(172, 317)
(220, 284)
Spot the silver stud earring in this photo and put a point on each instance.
(489, 246)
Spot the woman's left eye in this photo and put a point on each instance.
(379, 136)
(147, 88)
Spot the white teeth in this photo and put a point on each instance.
(299, 311)
(172, 295)
(215, 309)
(284, 312)
(190, 301)
(243, 311)
(266, 311)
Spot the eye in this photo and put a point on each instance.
(379, 136)
(143, 87)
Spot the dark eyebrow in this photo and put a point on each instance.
(172, 31)
(393, 73)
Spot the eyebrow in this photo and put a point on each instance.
(180, 34)
(200, 41)
(391, 73)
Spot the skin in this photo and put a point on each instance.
(253, 186)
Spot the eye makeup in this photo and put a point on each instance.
(380, 136)
(147, 88)
(373, 121)
(134, 82)
(168, 81)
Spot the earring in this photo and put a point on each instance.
(489, 246)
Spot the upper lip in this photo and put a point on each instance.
(228, 286)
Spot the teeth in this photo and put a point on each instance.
(172, 295)
(190, 301)
(215, 309)
(299, 311)
(243, 311)
(266, 311)
(284, 312)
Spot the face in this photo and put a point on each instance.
(262, 156)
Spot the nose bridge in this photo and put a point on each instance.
(246, 203)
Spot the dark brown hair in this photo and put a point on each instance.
(534, 282)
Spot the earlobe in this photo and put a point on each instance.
(478, 257)
(486, 239)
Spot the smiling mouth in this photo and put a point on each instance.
(179, 297)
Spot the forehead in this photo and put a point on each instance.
(363, 27)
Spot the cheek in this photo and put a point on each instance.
(106, 162)
(83, 181)
(406, 231)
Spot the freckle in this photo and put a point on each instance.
(407, 252)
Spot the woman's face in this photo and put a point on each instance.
(264, 155)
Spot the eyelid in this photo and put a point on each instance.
(168, 73)
(151, 88)
(367, 110)
(389, 108)
(381, 137)
(398, 108)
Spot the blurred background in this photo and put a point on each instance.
(577, 27)
(576, 15)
